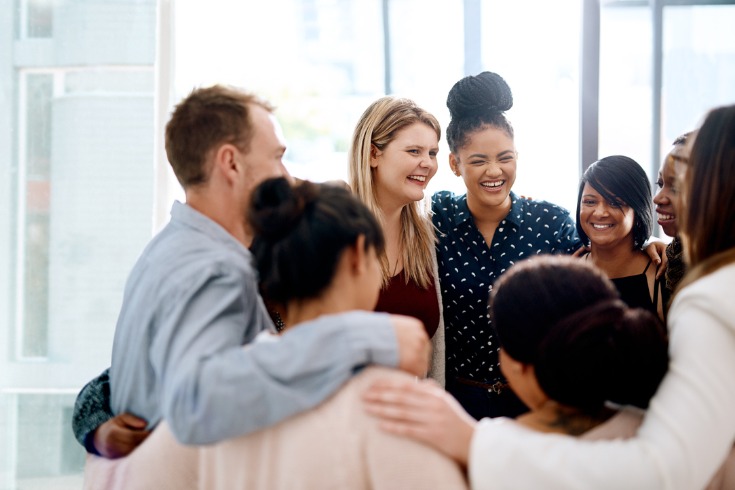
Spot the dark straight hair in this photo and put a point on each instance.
(620, 179)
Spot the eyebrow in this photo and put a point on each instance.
(483, 155)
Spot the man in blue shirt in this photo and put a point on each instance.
(192, 300)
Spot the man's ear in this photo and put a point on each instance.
(225, 160)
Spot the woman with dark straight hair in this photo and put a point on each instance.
(615, 218)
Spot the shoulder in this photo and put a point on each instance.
(711, 294)
(542, 207)
(444, 201)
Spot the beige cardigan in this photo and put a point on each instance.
(334, 446)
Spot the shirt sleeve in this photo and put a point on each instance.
(567, 237)
(215, 389)
(91, 409)
(686, 433)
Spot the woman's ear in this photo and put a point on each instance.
(454, 164)
(374, 154)
(360, 255)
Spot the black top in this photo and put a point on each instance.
(634, 291)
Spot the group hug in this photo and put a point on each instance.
(285, 334)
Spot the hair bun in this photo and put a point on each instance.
(480, 93)
(277, 207)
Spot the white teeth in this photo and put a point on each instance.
(420, 178)
(601, 227)
(493, 184)
(665, 217)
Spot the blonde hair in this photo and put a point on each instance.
(377, 127)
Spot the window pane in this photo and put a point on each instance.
(698, 66)
(625, 83)
(40, 18)
(77, 210)
(322, 67)
(544, 78)
(35, 250)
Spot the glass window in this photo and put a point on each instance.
(37, 18)
(698, 66)
(526, 44)
(33, 246)
(625, 83)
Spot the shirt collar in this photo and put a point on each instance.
(187, 216)
(462, 211)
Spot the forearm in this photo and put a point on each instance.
(242, 390)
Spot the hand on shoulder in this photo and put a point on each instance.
(414, 347)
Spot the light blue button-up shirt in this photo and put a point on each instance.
(191, 302)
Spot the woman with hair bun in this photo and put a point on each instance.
(481, 235)
(317, 250)
(578, 348)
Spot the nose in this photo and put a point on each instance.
(660, 198)
(602, 209)
(493, 170)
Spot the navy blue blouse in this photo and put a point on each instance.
(468, 268)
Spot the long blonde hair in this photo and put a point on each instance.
(377, 127)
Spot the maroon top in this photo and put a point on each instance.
(412, 300)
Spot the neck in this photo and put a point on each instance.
(488, 215)
(617, 261)
(216, 207)
(562, 419)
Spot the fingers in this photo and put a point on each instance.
(131, 421)
(414, 348)
(580, 251)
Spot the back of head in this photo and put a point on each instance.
(538, 292)
(475, 102)
(377, 127)
(709, 190)
(605, 352)
(300, 234)
(206, 118)
(564, 317)
(620, 179)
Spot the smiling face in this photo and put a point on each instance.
(403, 169)
(668, 197)
(607, 224)
(487, 164)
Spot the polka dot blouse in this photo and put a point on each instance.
(468, 268)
